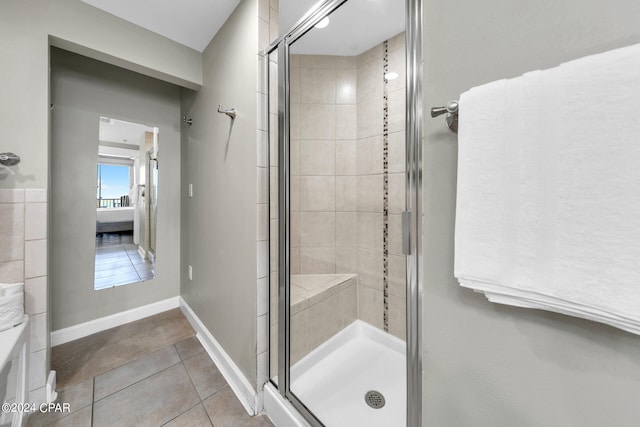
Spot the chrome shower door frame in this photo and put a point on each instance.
(413, 200)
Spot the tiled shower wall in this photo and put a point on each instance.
(23, 258)
(373, 166)
(340, 173)
(323, 167)
(338, 178)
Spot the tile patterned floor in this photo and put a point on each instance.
(153, 372)
(118, 262)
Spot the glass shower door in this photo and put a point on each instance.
(340, 279)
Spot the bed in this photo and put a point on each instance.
(114, 220)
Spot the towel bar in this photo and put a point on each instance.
(451, 109)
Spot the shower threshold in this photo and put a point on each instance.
(333, 379)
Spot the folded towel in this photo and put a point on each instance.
(548, 215)
(11, 305)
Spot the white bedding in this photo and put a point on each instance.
(115, 214)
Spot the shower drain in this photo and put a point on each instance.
(375, 399)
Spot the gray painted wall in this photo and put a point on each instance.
(219, 222)
(82, 90)
(26, 27)
(487, 364)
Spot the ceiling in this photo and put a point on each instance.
(192, 23)
(355, 27)
(119, 131)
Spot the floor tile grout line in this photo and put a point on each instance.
(132, 384)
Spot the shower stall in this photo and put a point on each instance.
(344, 130)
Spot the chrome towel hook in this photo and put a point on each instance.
(9, 159)
(451, 109)
(231, 112)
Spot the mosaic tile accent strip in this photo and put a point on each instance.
(385, 192)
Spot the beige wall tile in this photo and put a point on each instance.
(294, 157)
(262, 267)
(395, 234)
(346, 229)
(317, 229)
(295, 115)
(263, 10)
(317, 157)
(294, 229)
(295, 261)
(262, 220)
(263, 296)
(346, 122)
(370, 190)
(371, 306)
(370, 81)
(300, 338)
(348, 304)
(370, 55)
(295, 86)
(273, 24)
(317, 260)
(262, 184)
(273, 251)
(35, 262)
(318, 121)
(317, 86)
(346, 80)
(325, 320)
(397, 275)
(346, 193)
(273, 350)
(263, 34)
(345, 62)
(262, 146)
(35, 195)
(37, 369)
(396, 111)
(370, 231)
(317, 193)
(396, 192)
(370, 268)
(295, 193)
(12, 271)
(38, 332)
(11, 195)
(346, 260)
(317, 61)
(370, 117)
(11, 231)
(262, 334)
(397, 152)
(346, 157)
(35, 295)
(369, 156)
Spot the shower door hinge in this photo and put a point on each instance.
(406, 233)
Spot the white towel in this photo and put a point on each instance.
(11, 305)
(548, 204)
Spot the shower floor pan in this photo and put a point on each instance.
(334, 378)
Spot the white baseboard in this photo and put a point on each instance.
(82, 330)
(229, 370)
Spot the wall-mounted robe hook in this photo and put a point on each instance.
(188, 121)
(231, 112)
